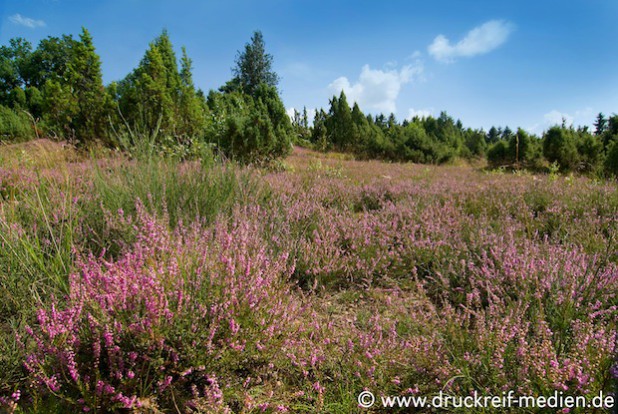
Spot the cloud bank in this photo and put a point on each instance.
(26, 21)
(420, 113)
(377, 90)
(580, 116)
(480, 40)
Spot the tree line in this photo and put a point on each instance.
(441, 139)
(56, 90)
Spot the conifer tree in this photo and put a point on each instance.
(339, 122)
(319, 135)
(149, 96)
(254, 66)
(560, 145)
(600, 124)
(360, 128)
(191, 109)
(74, 99)
(85, 82)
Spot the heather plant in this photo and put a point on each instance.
(51, 216)
(164, 322)
(297, 293)
(530, 259)
(37, 245)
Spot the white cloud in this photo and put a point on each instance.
(421, 113)
(26, 21)
(416, 55)
(579, 117)
(376, 89)
(554, 117)
(480, 40)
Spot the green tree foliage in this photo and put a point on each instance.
(600, 124)
(192, 106)
(300, 124)
(17, 98)
(493, 135)
(250, 129)
(560, 145)
(524, 149)
(158, 98)
(319, 133)
(15, 125)
(74, 99)
(427, 140)
(609, 131)
(611, 161)
(60, 108)
(507, 134)
(475, 143)
(498, 154)
(14, 68)
(85, 82)
(339, 123)
(421, 147)
(590, 150)
(56, 89)
(249, 121)
(60, 82)
(144, 98)
(50, 60)
(35, 102)
(253, 67)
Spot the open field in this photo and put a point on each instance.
(162, 286)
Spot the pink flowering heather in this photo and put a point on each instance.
(339, 277)
(175, 301)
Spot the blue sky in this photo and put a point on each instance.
(516, 63)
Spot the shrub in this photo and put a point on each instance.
(251, 129)
(160, 325)
(611, 161)
(560, 145)
(498, 154)
(15, 125)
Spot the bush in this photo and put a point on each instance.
(152, 327)
(499, 154)
(250, 129)
(611, 161)
(15, 126)
(560, 145)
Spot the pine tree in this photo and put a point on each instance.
(156, 99)
(360, 128)
(254, 66)
(493, 135)
(560, 145)
(319, 135)
(600, 124)
(85, 82)
(191, 109)
(339, 122)
(60, 108)
(168, 57)
(149, 97)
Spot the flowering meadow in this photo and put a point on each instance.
(157, 286)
